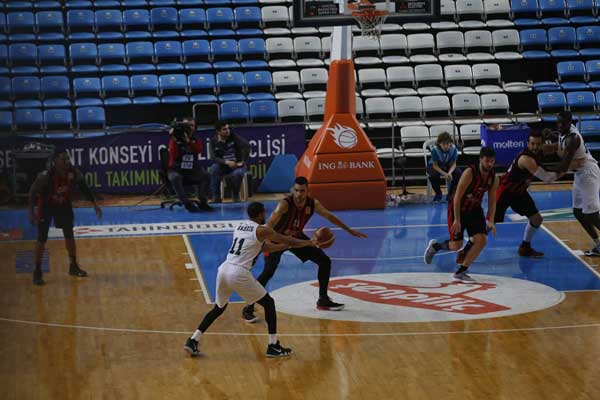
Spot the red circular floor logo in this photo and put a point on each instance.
(418, 297)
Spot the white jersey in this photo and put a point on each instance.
(245, 247)
(581, 153)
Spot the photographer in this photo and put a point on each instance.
(229, 151)
(183, 169)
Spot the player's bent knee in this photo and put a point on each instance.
(266, 301)
(536, 220)
(479, 240)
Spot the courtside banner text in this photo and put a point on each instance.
(129, 162)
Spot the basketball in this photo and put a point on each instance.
(324, 235)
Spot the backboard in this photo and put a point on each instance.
(327, 12)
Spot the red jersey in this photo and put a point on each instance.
(516, 180)
(293, 221)
(474, 194)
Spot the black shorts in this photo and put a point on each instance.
(63, 218)
(521, 203)
(473, 221)
(308, 253)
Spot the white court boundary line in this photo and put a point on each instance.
(570, 250)
(199, 275)
(381, 334)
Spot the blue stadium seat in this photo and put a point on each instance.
(254, 64)
(140, 56)
(116, 90)
(5, 93)
(551, 102)
(252, 48)
(55, 91)
(20, 22)
(189, 3)
(202, 83)
(162, 3)
(581, 101)
(248, 32)
(6, 121)
(87, 91)
(260, 96)
(192, 19)
(235, 112)
(90, 118)
(581, 12)
(258, 81)
(4, 55)
(26, 87)
(80, 25)
(195, 54)
(104, 4)
(231, 97)
(524, 8)
(19, 5)
(226, 66)
(562, 42)
(569, 71)
(244, 2)
(112, 58)
(52, 59)
(47, 5)
(144, 88)
(224, 49)
(263, 111)
(534, 43)
(78, 4)
(173, 88)
(134, 3)
(552, 8)
(29, 119)
(2, 22)
(109, 24)
(589, 128)
(136, 24)
(168, 51)
(23, 54)
(84, 58)
(588, 38)
(203, 98)
(58, 119)
(219, 17)
(49, 21)
(230, 82)
(164, 18)
(247, 17)
(592, 69)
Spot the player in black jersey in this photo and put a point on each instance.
(512, 191)
(465, 212)
(289, 218)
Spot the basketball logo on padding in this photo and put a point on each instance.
(344, 136)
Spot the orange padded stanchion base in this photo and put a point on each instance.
(364, 195)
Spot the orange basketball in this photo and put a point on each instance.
(324, 235)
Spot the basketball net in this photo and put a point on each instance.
(369, 19)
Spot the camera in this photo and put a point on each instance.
(181, 129)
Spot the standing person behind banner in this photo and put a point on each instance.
(51, 193)
(230, 152)
(289, 218)
(442, 164)
(183, 166)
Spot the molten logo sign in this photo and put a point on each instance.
(448, 297)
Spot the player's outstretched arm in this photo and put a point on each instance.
(571, 146)
(492, 206)
(329, 216)
(264, 232)
(275, 217)
(531, 165)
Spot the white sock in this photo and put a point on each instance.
(272, 339)
(530, 230)
(196, 335)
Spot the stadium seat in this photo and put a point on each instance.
(168, 51)
(108, 20)
(571, 74)
(286, 84)
(280, 47)
(562, 42)
(497, 13)
(87, 91)
(164, 18)
(394, 48)
(20, 22)
(140, 56)
(315, 109)
(136, 20)
(291, 110)
(379, 108)
(112, 57)
(55, 90)
(421, 47)
(466, 105)
(486, 77)
(592, 68)
(372, 82)
(116, 90)
(49, 21)
(28, 119)
(435, 106)
(247, 17)
(5, 92)
(412, 138)
(478, 45)
(588, 38)
(58, 119)
(258, 81)
(495, 104)
(26, 87)
(401, 81)
(263, 111)
(220, 17)
(235, 112)
(450, 46)
(534, 43)
(275, 16)
(195, 54)
(23, 54)
(6, 121)
(506, 44)
(230, 82)
(459, 78)
(80, 25)
(408, 107)
(551, 102)
(581, 101)
(202, 83)
(429, 79)
(224, 49)
(52, 59)
(90, 118)
(314, 82)
(192, 22)
(252, 48)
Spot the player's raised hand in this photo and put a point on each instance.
(357, 234)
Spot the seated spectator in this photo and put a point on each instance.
(229, 151)
(442, 164)
(183, 165)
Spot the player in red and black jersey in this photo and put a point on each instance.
(512, 191)
(289, 218)
(465, 212)
(51, 193)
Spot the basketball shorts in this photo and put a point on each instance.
(521, 203)
(586, 188)
(473, 222)
(234, 278)
(63, 218)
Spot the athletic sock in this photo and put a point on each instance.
(530, 230)
(462, 269)
(272, 339)
(525, 244)
(442, 246)
(197, 335)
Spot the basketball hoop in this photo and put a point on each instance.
(368, 18)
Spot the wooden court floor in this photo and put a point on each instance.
(119, 334)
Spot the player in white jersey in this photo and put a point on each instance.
(586, 184)
(234, 275)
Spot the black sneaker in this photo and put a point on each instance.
(248, 314)
(327, 304)
(205, 207)
(275, 350)
(76, 271)
(191, 347)
(37, 277)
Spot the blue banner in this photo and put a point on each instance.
(506, 140)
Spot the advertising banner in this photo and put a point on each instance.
(129, 162)
(506, 140)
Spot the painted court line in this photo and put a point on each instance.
(425, 333)
(563, 244)
(199, 276)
